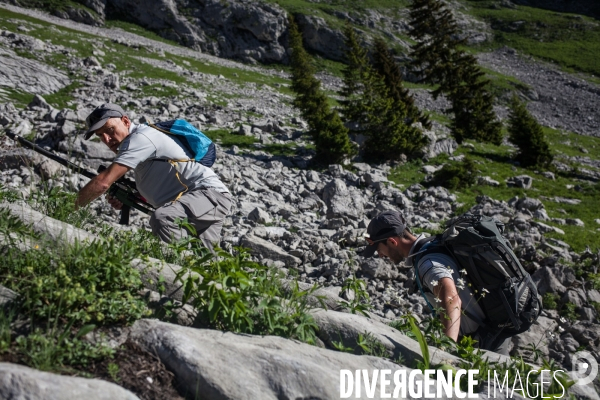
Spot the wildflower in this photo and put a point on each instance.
(460, 281)
(561, 329)
(463, 271)
(437, 300)
(434, 283)
(485, 290)
(460, 286)
(563, 320)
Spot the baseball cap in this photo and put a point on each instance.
(100, 115)
(387, 224)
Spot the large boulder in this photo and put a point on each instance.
(48, 227)
(345, 328)
(342, 201)
(225, 365)
(20, 382)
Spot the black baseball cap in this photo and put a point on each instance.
(100, 115)
(387, 224)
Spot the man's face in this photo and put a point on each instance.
(388, 250)
(114, 131)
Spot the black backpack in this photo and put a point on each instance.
(511, 303)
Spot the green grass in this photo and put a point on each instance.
(571, 41)
(227, 139)
(18, 98)
(495, 161)
(138, 30)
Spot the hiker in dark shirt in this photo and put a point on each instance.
(444, 285)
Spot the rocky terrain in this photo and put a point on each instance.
(308, 223)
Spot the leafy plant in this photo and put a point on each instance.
(60, 204)
(371, 346)
(359, 302)
(234, 294)
(568, 311)
(422, 342)
(549, 301)
(93, 282)
(113, 371)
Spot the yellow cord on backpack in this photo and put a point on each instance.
(173, 163)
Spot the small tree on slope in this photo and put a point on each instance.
(328, 132)
(387, 67)
(527, 134)
(440, 60)
(379, 116)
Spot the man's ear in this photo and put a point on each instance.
(393, 241)
(126, 121)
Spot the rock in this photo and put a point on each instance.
(29, 75)
(87, 149)
(40, 102)
(546, 228)
(224, 365)
(528, 203)
(245, 130)
(112, 81)
(22, 128)
(341, 202)
(260, 216)
(345, 328)
(91, 61)
(536, 334)
(486, 180)
(521, 181)
(575, 222)
(20, 382)
(378, 268)
(7, 298)
(319, 37)
(268, 250)
(53, 229)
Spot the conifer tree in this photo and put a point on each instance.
(360, 85)
(436, 33)
(439, 58)
(527, 134)
(329, 133)
(472, 105)
(368, 102)
(388, 68)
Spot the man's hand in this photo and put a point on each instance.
(114, 202)
(100, 184)
(451, 307)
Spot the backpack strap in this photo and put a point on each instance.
(420, 251)
(173, 162)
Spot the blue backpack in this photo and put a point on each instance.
(197, 142)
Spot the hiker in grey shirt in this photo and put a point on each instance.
(444, 285)
(177, 189)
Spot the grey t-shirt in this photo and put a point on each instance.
(435, 266)
(157, 180)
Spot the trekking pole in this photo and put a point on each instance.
(123, 189)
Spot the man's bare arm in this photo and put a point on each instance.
(451, 307)
(100, 184)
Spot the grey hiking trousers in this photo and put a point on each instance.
(205, 209)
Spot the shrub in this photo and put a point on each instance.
(549, 301)
(456, 175)
(527, 134)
